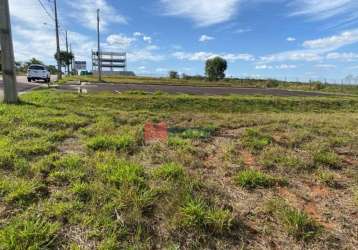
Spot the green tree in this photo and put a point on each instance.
(215, 68)
(52, 69)
(173, 75)
(65, 59)
(33, 61)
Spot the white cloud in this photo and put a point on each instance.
(281, 66)
(291, 39)
(144, 55)
(147, 39)
(326, 66)
(203, 56)
(121, 41)
(202, 12)
(138, 34)
(324, 9)
(346, 56)
(88, 14)
(205, 38)
(263, 66)
(286, 66)
(240, 31)
(333, 42)
(295, 55)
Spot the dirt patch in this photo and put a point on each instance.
(72, 146)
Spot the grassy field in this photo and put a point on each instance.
(245, 83)
(237, 172)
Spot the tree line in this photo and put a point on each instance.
(214, 70)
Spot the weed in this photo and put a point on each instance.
(255, 179)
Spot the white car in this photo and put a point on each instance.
(38, 72)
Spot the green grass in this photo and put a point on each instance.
(196, 214)
(20, 191)
(169, 171)
(326, 177)
(253, 140)
(81, 165)
(120, 143)
(254, 179)
(28, 233)
(297, 223)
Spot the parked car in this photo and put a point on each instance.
(38, 72)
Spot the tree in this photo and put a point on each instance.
(65, 58)
(173, 75)
(52, 69)
(215, 68)
(33, 61)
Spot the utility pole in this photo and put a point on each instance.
(99, 59)
(68, 66)
(71, 58)
(59, 73)
(7, 54)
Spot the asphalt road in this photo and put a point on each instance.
(24, 86)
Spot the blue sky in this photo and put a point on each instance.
(262, 38)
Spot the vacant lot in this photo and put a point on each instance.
(237, 172)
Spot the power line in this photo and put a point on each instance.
(46, 10)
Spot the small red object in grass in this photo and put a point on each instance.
(155, 132)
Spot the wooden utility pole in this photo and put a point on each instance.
(99, 59)
(7, 57)
(59, 73)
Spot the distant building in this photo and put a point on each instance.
(80, 66)
(112, 63)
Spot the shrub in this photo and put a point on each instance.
(254, 179)
(23, 233)
(215, 68)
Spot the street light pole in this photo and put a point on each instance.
(99, 59)
(7, 54)
(59, 73)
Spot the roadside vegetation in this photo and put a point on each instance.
(238, 172)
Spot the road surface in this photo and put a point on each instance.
(24, 86)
